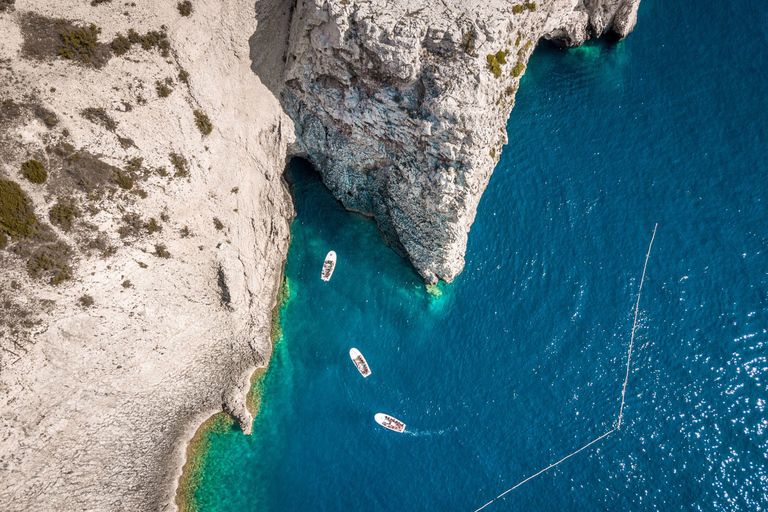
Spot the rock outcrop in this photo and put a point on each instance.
(402, 105)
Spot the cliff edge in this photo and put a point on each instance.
(402, 105)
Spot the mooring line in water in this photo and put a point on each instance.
(634, 325)
(623, 389)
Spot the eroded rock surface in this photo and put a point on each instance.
(402, 105)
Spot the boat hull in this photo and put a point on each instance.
(329, 265)
(360, 363)
(389, 422)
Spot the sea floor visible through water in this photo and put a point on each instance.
(520, 361)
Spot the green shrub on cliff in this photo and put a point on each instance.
(495, 60)
(161, 251)
(64, 213)
(80, 43)
(120, 44)
(17, 218)
(53, 258)
(518, 69)
(203, 123)
(153, 226)
(34, 171)
(162, 89)
(185, 8)
(468, 42)
(123, 180)
(181, 165)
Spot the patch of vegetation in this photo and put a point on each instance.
(81, 169)
(34, 171)
(46, 38)
(524, 49)
(161, 251)
(97, 2)
(218, 224)
(134, 165)
(52, 259)
(153, 39)
(159, 40)
(50, 119)
(142, 264)
(85, 301)
(101, 244)
(518, 69)
(495, 61)
(3, 240)
(162, 88)
(153, 226)
(181, 165)
(203, 123)
(99, 116)
(123, 180)
(468, 42)
(185, 8)
(6, 5)
(126, 142)
(531, 6)
(9, 110)
(81, 44)
(127, 284)
(132, 225)
(64, 213)
(517, 9)
(519, 38)
(493, 153)
(120, 44)
(184, 77)
(235, 190)
(510, 90)
(17, 217)
(185, 232)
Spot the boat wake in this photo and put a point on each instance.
(430, 433)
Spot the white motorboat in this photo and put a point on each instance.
(360, 362)
(328, 266)
(390, 422)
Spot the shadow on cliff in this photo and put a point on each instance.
(269, 43)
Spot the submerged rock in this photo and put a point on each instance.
(402, 105)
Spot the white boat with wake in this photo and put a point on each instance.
(390, 422)
(328, 266)
(360, 362)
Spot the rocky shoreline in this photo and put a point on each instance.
(139, 275)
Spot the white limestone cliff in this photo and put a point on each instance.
(402, 105)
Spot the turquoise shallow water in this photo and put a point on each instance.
(520, 361)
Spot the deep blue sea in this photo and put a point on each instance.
(521, 360)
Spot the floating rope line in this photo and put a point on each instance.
(634, 326)
(623, 389)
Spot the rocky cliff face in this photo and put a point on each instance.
(402, 105)
(113, 351)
